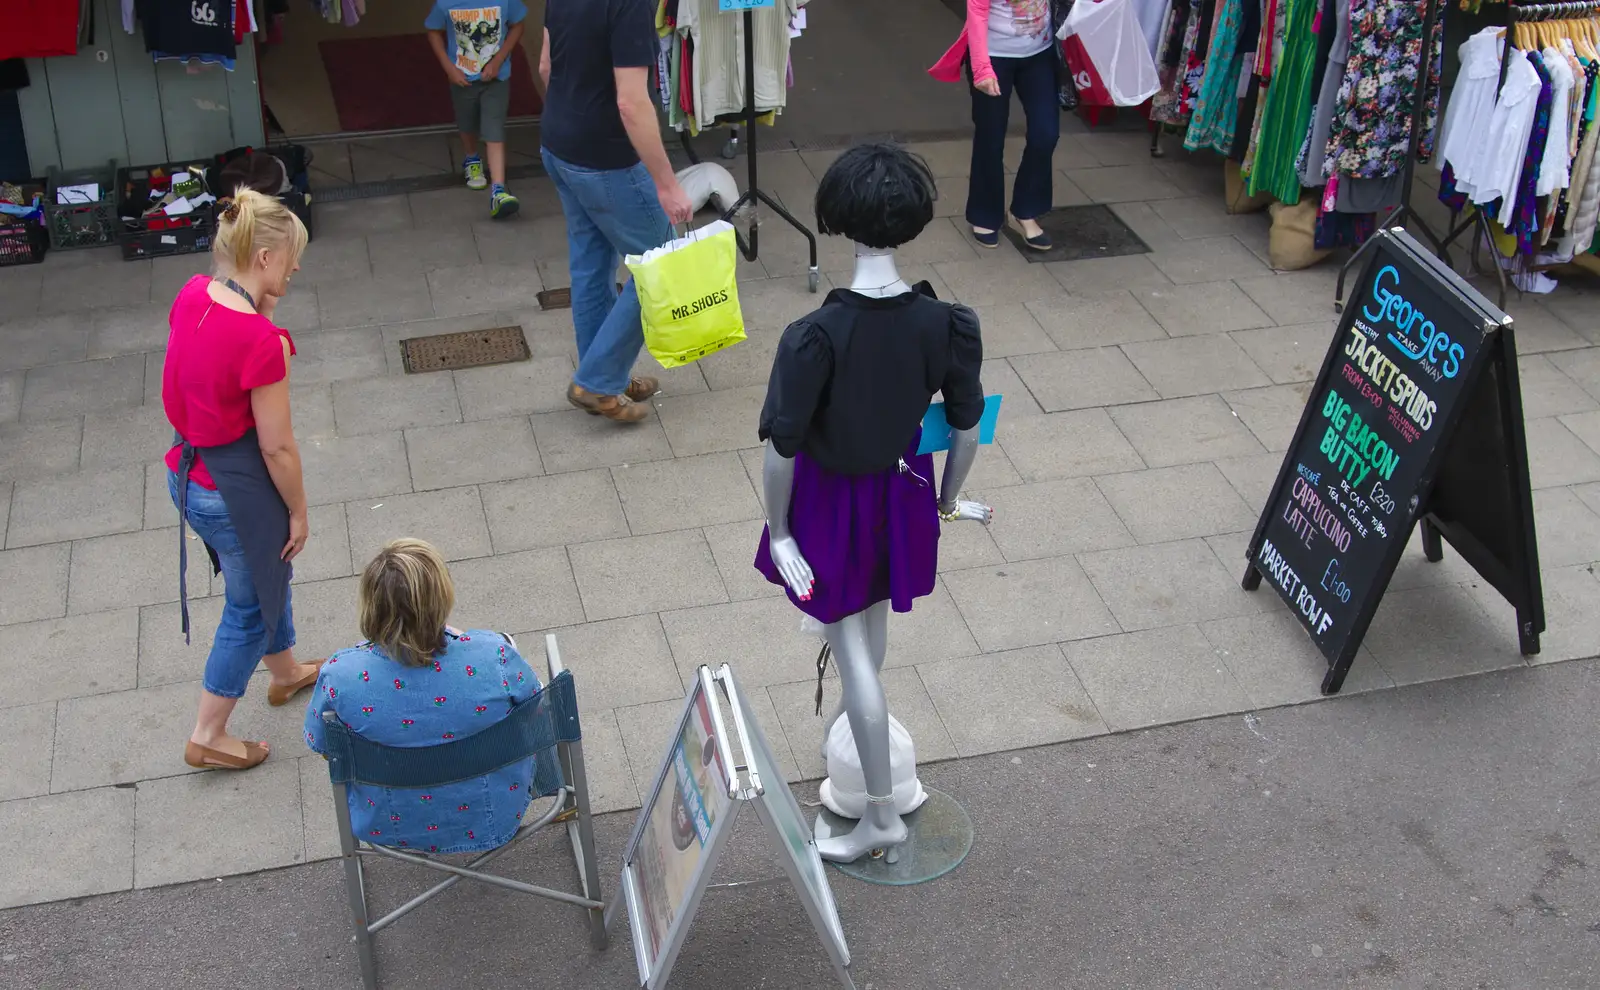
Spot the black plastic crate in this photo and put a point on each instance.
(82, 225)
(24, 240)
(159, 236)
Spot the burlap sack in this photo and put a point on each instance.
(1293, 242)
(1236, 198)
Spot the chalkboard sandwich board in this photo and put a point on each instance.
(1415, 418)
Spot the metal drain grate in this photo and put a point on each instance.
(560, 298)
(1080, 232)
(471, 349)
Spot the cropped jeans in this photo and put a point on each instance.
(241, 639)
(610, 213)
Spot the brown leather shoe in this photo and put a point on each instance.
(642, 389)
(618, 408)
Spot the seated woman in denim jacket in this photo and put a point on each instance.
(418, 682)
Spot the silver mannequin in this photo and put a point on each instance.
(861, 641)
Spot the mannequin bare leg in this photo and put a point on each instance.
(879, 827)
(878, 642)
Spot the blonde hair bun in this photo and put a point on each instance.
(252, 222)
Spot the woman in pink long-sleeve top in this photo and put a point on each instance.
(1009, 46)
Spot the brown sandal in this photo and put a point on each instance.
(205, 758)
(278, 696)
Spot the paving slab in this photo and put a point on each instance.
(343, 469)
(983, 282)
(1291, 298)
(33, 583)
(1031, 603)
(189, 828)
(1011, 328)
(1167, 584)
(761, 637)
(1276, 663)
(1010, 700)
(451, 519)
(340, 354)
(1155, 676)
(557, 510)
(1175, 503)
(1097, 275)
(685, 493)
(62, 390)
(1288, 354)
(42, 661)
(357, 302)
(1051, 518)
(1272, 412)
(614, 576)
(130, 329)
(1571, 613)
(327, 554)
(39, 449)
(379, 405)
(1547, 390)
(1427, 634)
(125, 737)
(76, 507)
(1194, 365)
(1097, 319)
(1557, 457)
(1568, 530)
(576, 441)
(131, 569)
(1538, 330)
(1203, 308)
(10, 396)
(34, 341)
(129, 436)
(163, 656)
(1079, 379)
(1252, 476)
(533, 589)
(1184, 431)
(733, 547)
(78, 845)
(713, 421)
(476, 288)
(472, 453)
(27, 734)
(417, 252)
(617, 663)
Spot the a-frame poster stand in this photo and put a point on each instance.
(683, 827)
(1415, 417)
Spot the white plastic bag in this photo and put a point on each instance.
(1114, 42)
(709, 182)
(845, 791)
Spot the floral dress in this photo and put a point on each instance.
(473, 683)
(1182, 67)
(1371, 133)
(1216, 108)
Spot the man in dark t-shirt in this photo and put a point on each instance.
(602, 148)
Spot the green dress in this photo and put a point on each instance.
(1286, 114)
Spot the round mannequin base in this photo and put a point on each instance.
(940, 838)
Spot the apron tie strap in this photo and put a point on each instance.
(185, 464)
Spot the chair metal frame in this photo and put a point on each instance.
(570, 807)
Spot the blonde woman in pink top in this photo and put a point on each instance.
(1010, 46)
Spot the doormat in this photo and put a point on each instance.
(1081, 232)
(471, 349)
(391, 82)
(560, 298)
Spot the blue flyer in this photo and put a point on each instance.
(936, 429)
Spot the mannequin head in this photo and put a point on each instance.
(878, 195)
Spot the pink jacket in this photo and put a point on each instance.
(974, 41)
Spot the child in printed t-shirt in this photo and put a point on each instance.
(473, 40)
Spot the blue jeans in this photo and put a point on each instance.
(241, 639)
(1034, 80)
(609, 214)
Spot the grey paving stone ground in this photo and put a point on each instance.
(1147, 400)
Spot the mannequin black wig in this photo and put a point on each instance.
(879, 195)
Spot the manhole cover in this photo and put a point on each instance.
(471, 349)
(1080, 232)
(560, 298)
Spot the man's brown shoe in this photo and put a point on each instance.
(642, 389)
(618, 408)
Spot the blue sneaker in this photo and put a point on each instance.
(502, 204)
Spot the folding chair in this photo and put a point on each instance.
(544, 723)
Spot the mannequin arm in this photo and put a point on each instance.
(777, 485)
(957, 465)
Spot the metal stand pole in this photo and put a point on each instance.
(1401, 213)
(753, 194)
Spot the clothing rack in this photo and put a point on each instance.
(753, 194)
(1400, 214)
(1515, 13)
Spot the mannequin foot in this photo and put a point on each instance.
(879, 828)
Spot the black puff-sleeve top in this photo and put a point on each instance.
(852, 381)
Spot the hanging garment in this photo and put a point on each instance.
(1524, 217)
(1371, 132)
(1112, 40)
(718, 71)
(1286, 111)
(1314, 171)
(1251, 28)
(1498, 166)
(38, 28)
(1583, 167)
(1585, 212)
(1216, 106)
(1472, 103)
(180, 29)
(1555, 165)
(1180, 68)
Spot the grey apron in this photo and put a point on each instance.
(258, 515)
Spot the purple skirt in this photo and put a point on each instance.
(868, 537)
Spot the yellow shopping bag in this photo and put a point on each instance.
(689, 295)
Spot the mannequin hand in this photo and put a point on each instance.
(988, 87)
(966, 511)
(796, 572)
